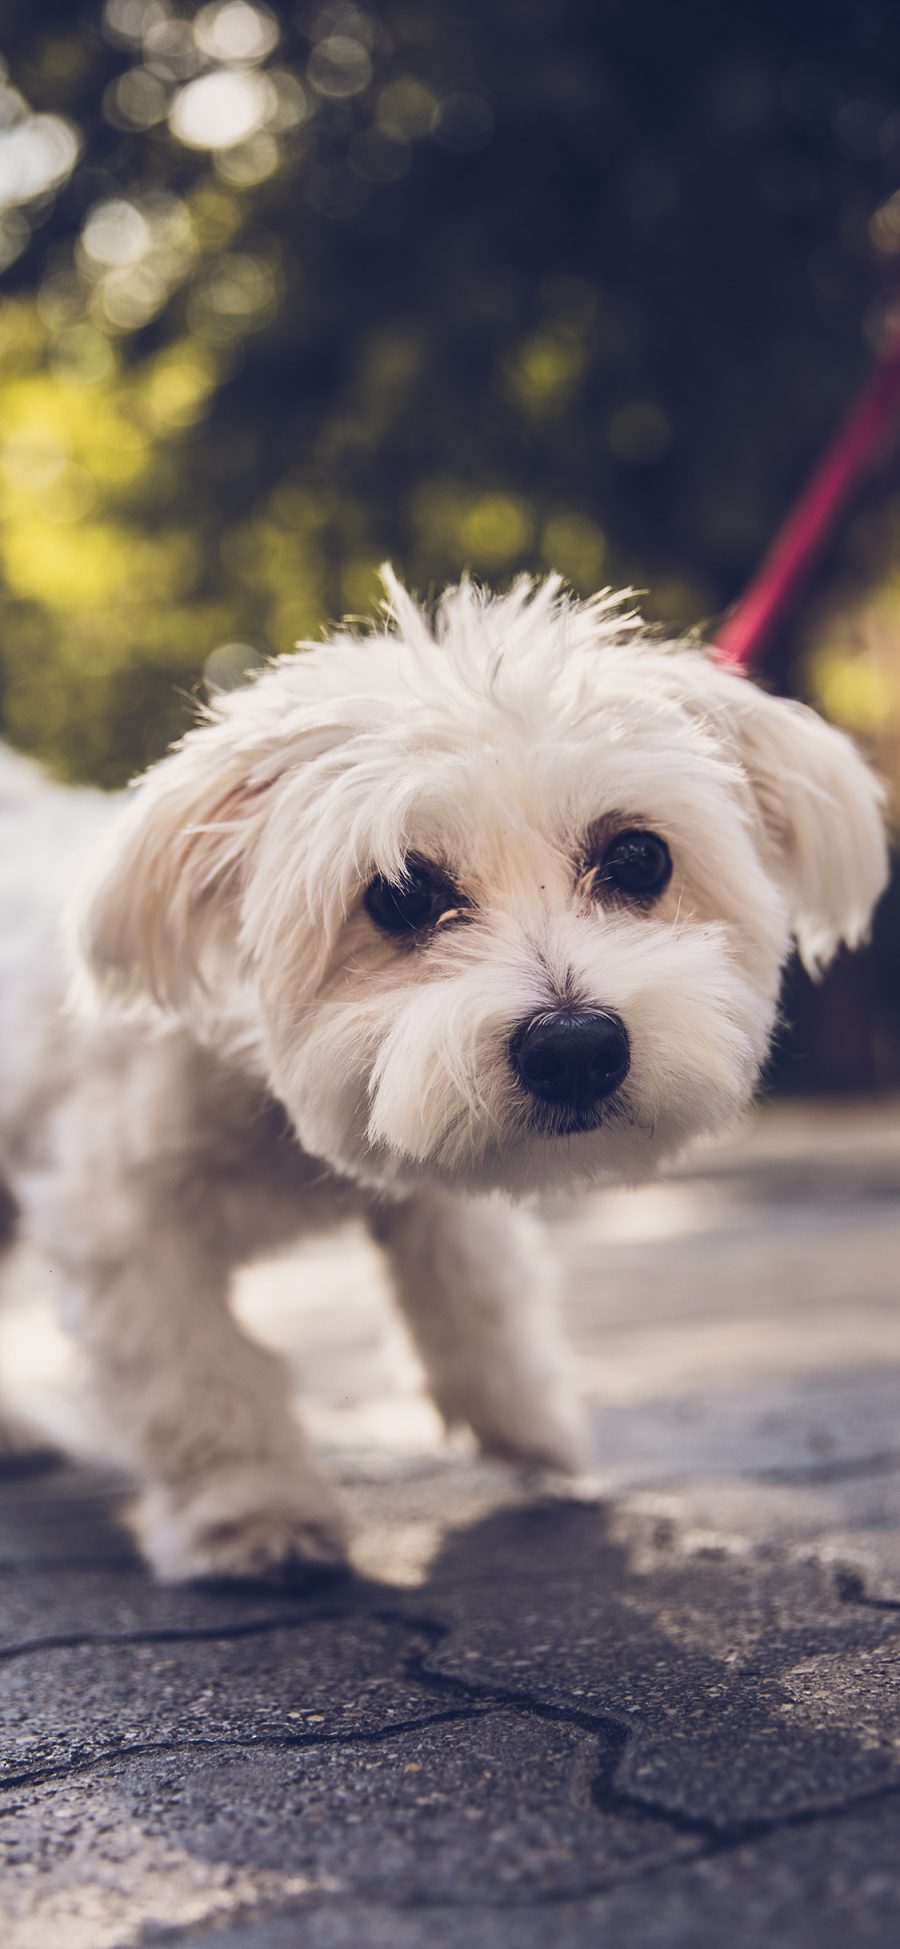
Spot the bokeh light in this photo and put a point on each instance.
(221, 109)
(37, 155)
(236, 31)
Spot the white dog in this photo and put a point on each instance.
(493, 901)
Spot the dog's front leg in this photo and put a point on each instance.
(228, 1485)
(471, 1280)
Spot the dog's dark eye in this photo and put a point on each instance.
(422, 899)
(638, 863)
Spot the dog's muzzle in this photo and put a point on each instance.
(572, 1058)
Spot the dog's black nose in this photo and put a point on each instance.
(572, 1056)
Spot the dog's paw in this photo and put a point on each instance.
(243, 1523)
(551, 1436)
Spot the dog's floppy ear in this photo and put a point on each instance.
(821, 808)
(159, 916)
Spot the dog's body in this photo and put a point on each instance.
(411, 918)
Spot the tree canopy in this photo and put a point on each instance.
(508, 284)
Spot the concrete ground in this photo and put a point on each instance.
(661, 1713)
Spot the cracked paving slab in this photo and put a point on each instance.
(473, 1806)
(662, 1711)
(691, 1655)
(818, 1889)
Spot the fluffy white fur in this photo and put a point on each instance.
(260, 1058)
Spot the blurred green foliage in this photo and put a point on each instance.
(512, 283)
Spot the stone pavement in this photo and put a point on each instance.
(662, 1712)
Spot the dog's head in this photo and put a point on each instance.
(500, 897)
